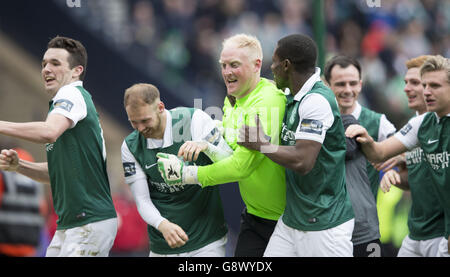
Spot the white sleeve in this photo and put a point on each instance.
(131, 167)
(316, 117)
(70, 103)
(144, 204)
(408, 134)
(203, 128)
(386, 129)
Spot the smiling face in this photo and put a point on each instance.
(56, 70)
(414, 90)
(147, 119)
(436, 92)
(346, 85)
(239, 72)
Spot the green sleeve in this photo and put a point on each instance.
(244, 161)
(232, 169)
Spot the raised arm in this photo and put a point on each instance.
(40, 132)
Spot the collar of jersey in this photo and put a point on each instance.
(167, 138)
(439, 119)
(73, 84)
(308, 85)
(357, 111)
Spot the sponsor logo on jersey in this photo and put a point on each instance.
(63, 104)
(431, 141)
(414, 156)
(129, 169)
(287, 135)
(165, 188)
(438, 160)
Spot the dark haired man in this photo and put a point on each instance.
(343, 74)
(318, 219)
(76, 156)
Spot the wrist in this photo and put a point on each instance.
(190, 175)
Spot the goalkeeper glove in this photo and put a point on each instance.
(174, 171)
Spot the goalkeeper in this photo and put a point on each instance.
(261, 181)
(182, 220)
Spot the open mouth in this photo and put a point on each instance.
(412, 98)
(48, 80)
(430, 101)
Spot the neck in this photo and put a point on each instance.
(160, 135)
(297, 81)
(252, 87)
(347, 110)
(421, 110)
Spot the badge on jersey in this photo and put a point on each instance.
(311, 126)
(406, 129)
(129, 169)
(63, 104)
(213, 137)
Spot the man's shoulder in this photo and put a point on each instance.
(268, 95)
(132, 138)
(368, 112)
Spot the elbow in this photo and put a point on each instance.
(303, 168)
(49, 137)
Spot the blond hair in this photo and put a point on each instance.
(246, 41)
(141, 93)
(417, 61)
(436, 63)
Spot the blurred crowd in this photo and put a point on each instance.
(178, 41)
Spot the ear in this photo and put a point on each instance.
(258, 64)
(77, 71)
(286, 65)
(161, 106)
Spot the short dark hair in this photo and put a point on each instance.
(300, 50)
(343, 61)
(77, 52)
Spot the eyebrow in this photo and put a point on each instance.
(51, 60)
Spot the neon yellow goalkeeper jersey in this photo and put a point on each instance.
(261, 181)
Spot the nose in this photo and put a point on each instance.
(407, 88)
(226, 70)
(46, 69)
(140, 127)
(347, 88)
(426, 91)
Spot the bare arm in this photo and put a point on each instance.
(10, 161)
(398, 179)
(375, 151)
(40, 132)
(300, 157)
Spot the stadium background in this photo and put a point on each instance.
(175, 45)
